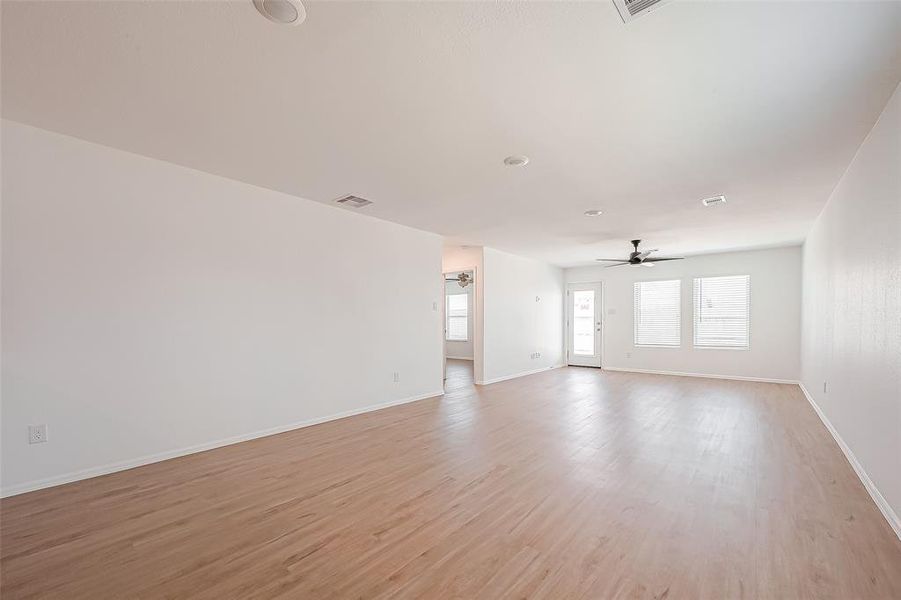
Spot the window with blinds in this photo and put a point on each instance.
(658, 313)
(457, 317)
(722, 312)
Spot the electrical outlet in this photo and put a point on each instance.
(628, 355)
(434, 306)
(396, 377)
(538, 355)
(37, 434)
(824, 387)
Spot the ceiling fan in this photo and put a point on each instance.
(463, 279)
(636, 258)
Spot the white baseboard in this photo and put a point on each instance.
(703, 375)
(874, 492)
(461, 357)
(520, 374)
(39, 484)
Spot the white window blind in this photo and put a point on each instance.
(457, 316)
(722, 312)
(658, 313)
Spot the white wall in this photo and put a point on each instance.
(461, 349)
(515, 324)
(775, 315)
(150, 308)
(852, 310)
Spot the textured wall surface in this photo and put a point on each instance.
(851, 340)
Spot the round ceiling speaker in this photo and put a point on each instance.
(284, 12)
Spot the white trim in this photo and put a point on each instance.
(39, 484)
(478, 334)
(522, 374)
(461, 357)
(883, 505)
(704, 375)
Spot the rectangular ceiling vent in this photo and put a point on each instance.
(714, 200)
(630, 10)
(353, 201)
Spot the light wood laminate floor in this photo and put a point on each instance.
(572, 483)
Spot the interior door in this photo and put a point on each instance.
(583, 324)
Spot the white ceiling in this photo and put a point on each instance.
(414, 105)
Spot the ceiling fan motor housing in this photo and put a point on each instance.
(633, 257)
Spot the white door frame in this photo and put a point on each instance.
(476, 331)
(600, 321)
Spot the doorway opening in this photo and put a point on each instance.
(459, 327)
(584, 324)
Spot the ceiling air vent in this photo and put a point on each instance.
(353, 201)
(630, 10)
(714, 200)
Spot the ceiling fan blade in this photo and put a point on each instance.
(616, 265)
(610, 260)
(647, 253)
(659, 259)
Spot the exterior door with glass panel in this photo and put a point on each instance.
(583, 324)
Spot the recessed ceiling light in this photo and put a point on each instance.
(285, 12)
(517, 160)
(714, 200)
(593, 213)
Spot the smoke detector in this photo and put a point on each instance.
(630, 10)
(517, 160)
(284, 12)
(353, 201)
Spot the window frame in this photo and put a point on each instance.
(636, 313)
(448, 317)
(695, 296)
